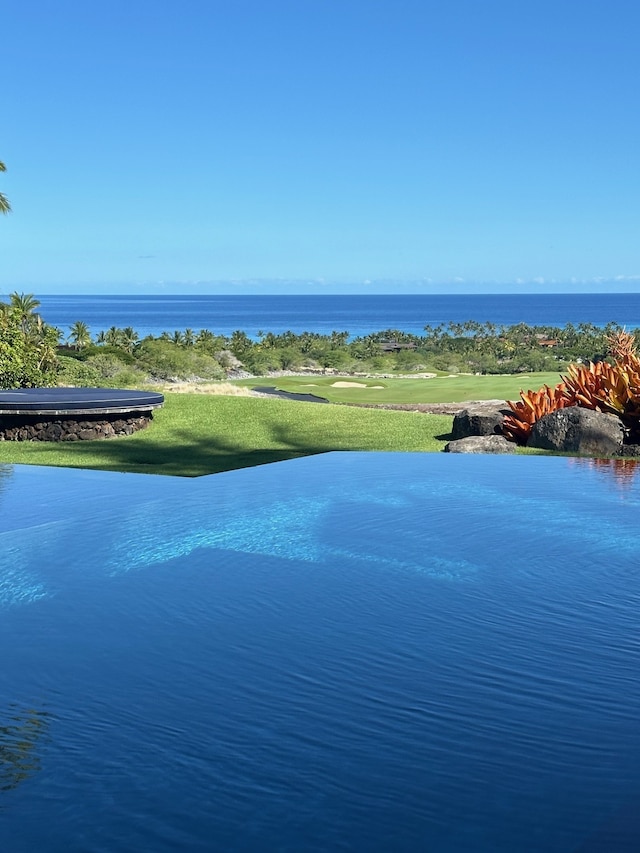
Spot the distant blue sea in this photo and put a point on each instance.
(358, 315)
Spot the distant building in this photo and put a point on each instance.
(395, 346)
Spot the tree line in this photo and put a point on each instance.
(34, 353)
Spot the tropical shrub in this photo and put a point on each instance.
(106, 365)
(604, 387)
(289, 358)
(27, 345)
(76, 373)
(530, 408)
(167, 360)
(336, 359)
(105, 349)
(599, 385)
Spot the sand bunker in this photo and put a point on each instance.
(348, 385)
(353, 385)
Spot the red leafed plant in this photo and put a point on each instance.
(605, 387)
(622, 348)
(530, 408)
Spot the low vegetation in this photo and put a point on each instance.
(394, 390)
(604, 385)
(468, 347)
(27, 345)
(197, 434)
(117, 357)
(203, 433)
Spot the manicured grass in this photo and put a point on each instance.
(441, 389)
(196, 434)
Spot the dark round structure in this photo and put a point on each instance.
(72, 414)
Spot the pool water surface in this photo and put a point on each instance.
(366, 652)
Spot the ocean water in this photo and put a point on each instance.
(358, 315)
(348, 652)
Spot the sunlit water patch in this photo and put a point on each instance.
(345, 652)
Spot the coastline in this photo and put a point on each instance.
(360, 315)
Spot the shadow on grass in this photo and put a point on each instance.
(202, 437)
(187, 456)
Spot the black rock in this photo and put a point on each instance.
(578, 430)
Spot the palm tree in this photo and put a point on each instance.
(129, 339)
(23, 306)
(207, 342)
(240, 343)
(204, 336)
(113, 336)
(5, 207)
(79, 335)
(338, 339)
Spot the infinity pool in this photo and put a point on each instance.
(364, 652)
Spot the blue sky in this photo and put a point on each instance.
(438, 146)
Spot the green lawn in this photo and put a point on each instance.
(441, 389)
(197, 434)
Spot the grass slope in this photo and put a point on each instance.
(441, 389)
(197, 434)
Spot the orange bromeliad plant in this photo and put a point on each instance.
(530, 408)
(605, 387)
(622, 348)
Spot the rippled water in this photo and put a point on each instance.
(345, 652)
(358, 315)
